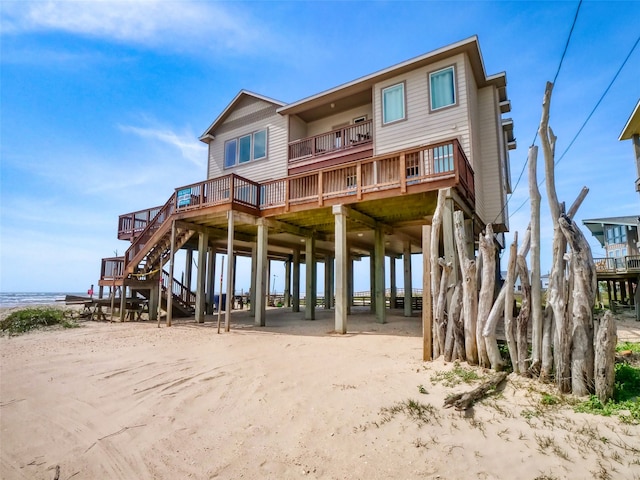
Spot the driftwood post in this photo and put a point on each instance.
(462, 401)
(522, 322)
(434, 253)
(582, 299)
(490, 354)
(536, 287)
(457, 320)
(469, 290)
(441, 303)
(556, 295)
(508, 303)
(605, 357)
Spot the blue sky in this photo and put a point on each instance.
(102, 102)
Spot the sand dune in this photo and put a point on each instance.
(291, 400)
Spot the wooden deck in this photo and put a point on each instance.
(432, 167)
(396, 191)
(618, 268)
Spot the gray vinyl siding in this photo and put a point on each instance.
(474, 154)
(491, 183)
(421, 125)
(250, 115)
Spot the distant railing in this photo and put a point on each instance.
(416, 166)
(629, 263)
(336, 140)
(112, 268)
(131, 224)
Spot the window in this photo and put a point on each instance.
(443, 158)
(617, 234)
(260, 145)
(230, 153)
(245, 149)
(442, 88)
(393, 103)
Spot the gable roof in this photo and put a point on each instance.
(207, 135)
(470, 46)
(596, 225)
(633, 124)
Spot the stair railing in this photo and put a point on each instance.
(179, 291)
(138, 244)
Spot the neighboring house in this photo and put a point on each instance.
(617, 235)
(631, 131)
(621, 266)
(350, 172)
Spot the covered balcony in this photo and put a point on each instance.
(348, 143)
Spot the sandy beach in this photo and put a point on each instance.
(290, 400)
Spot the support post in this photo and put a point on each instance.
(328, 281)
(408, 285)
(349, 280)
(261, 275)
(311, 283)
(230, 269)
(427, 313)
(393, 289)
(153, 299)
(372, 282)
(203, 240)
(287, 282)
(381, 300)
(295, 306)
(171, 271)
(252, 288)
(211, 279)
(188, 268)
(342, 267)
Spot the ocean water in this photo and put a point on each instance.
(30, 299)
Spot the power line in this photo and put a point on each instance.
(589, 116)
(564, 52)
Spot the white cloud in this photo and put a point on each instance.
(191, 149)
(154, 23)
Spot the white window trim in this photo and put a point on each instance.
(251, 149)
(404, 103)
(455, 88)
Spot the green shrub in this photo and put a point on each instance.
(27, 319)
(626, 397)
(632, 346)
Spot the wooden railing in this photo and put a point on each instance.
(398, 170)
(187, 297)
(216, 191)
(336, 140)
(112, 268)
(132, 224)
(140, 241)
(629, 263)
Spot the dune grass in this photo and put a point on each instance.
(27, 319)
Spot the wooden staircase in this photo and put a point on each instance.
(143, 261)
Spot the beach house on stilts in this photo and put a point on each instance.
(350, 172)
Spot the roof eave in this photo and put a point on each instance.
(209, 131)
(469, 45)
(633, 124)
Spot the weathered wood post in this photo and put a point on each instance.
(605, 357)
(469, 290)
(487, 344)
